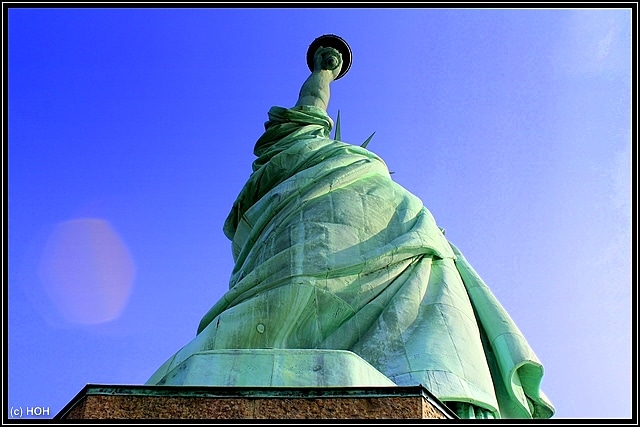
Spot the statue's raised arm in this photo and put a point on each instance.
(327, 63)
(328, 59)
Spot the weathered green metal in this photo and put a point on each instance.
(272, 367)
(331, 253)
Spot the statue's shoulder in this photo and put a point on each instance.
(302, 114)
(299, 110)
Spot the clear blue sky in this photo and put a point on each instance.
(131, 133)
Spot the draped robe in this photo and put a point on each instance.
(331, 253)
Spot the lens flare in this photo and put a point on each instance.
(87, 271)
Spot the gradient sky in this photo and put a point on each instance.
(131, 133)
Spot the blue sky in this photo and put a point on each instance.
(131, 132)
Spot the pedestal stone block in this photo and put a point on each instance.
(194, 402)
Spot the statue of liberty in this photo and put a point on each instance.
(331, 253)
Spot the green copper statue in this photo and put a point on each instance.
(331, 254)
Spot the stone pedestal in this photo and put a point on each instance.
(206, 402)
